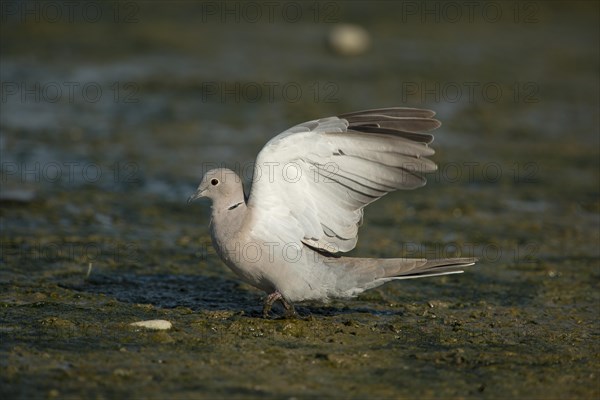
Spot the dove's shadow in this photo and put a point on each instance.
(196, 292)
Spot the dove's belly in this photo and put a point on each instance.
(294, 270)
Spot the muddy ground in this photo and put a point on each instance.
(109, 119)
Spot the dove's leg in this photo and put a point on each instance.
(271, 299)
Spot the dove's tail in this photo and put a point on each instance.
(355, 275)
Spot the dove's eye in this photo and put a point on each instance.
(214, 182)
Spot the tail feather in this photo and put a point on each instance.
(442, 266)
(355, 275)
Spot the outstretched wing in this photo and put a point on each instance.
(312, 181)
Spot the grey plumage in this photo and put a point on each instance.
(309, 189)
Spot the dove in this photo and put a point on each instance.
(309, 187)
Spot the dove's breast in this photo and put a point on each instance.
(269, 259)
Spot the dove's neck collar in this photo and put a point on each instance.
(226, 219)
(222, 207)
(236, 205)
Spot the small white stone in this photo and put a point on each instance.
(158, 324)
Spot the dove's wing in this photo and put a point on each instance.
(312, 181)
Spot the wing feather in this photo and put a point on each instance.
(322, 173)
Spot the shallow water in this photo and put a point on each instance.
(106, 128)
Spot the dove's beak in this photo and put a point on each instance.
(199, 193)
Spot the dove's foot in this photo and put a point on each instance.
(276, 296)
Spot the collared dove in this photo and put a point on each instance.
(309, 188)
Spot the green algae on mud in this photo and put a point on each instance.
(207, 351)
(68, 340)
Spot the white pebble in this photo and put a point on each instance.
(158, 324)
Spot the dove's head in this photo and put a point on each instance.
(220, 185)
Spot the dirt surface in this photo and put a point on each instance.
(109, 120)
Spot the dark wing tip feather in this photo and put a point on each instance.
(398, 112)
(409, 123)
